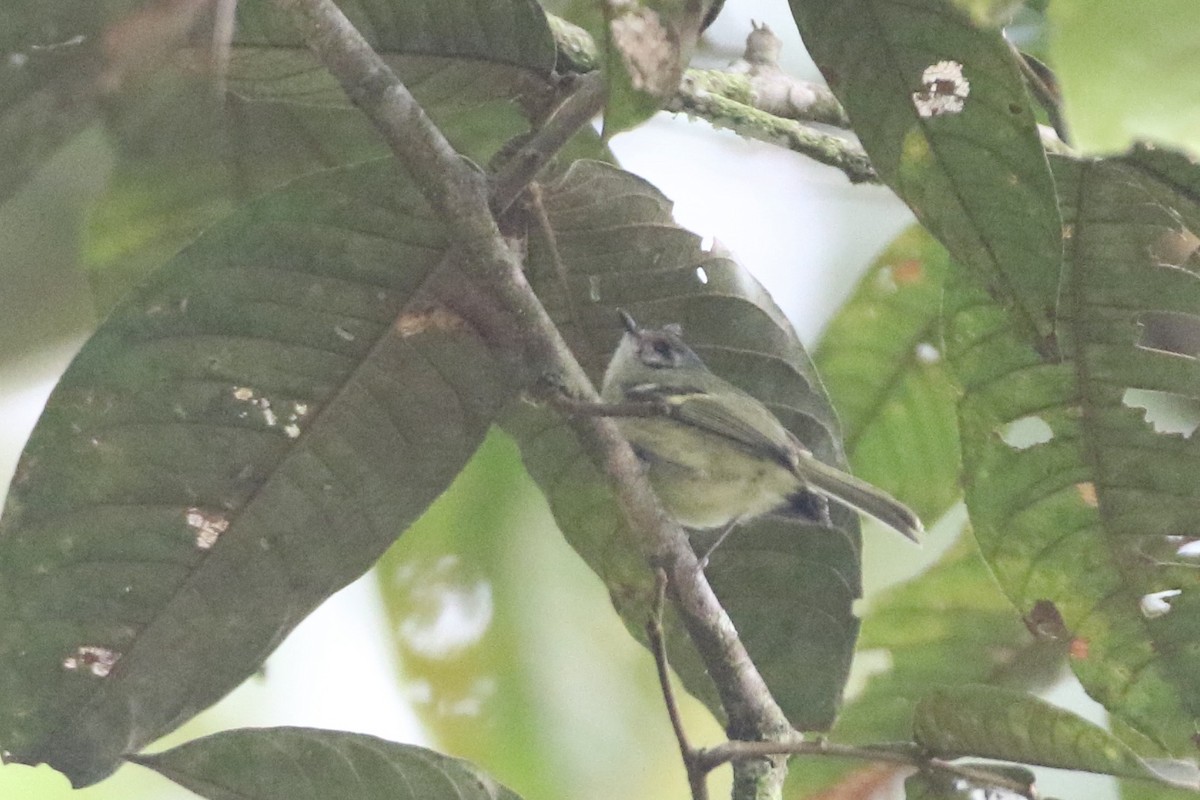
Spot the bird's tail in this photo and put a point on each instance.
(859, 495)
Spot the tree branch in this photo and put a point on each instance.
(712, 757)
(458, 194)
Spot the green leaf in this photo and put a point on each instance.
(1122, 71)
(989, 722)
(310, 764)
(940, 108)
(881, 361)
(617, 246)
(1089, 515)
(244, 436)
(949, 626)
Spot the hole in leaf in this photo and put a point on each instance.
(1170, 551)
(701, 275)
(1156, 604)
(1169, 332)
(1174, 248)
(1165, 411)
(928, 354)
(1026, 432)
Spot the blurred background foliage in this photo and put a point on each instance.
(481, 632)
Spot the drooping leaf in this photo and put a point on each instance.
(949, 626)
(881, 361)
(244, 435)
(1092, 516)
(990, 722)
(940, 108)
(186, 156)
(614, 245)
(311, 764)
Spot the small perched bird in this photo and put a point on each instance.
(717, 456)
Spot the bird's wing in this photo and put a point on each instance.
(747, 423)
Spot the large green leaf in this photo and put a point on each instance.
(939, 105)
(990, 722)
(1088, 517)
(615, 245)
(949, 626)
(310, 764)
(882, 364)
(243, 436)
(186, 157)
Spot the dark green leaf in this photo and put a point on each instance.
(881, 359)
(618, 247)
(948, 626)
(310, 764)
(1091, 515)
(243, 436)
(940, 107)
(990, 722)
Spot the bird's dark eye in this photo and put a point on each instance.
(663, 350)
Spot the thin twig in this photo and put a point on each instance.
(697, 776)
(712, 757)
(588, 408)
(538, 207)
(581, 105)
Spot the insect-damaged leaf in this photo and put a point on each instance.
(614, 244)
(241, 438)
(939, 105)
(990, 722)
(310, 764)
(1081, 503)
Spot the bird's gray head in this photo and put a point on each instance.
(660, 348)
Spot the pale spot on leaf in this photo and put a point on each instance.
(206, 527)
(1026, 432)
(1087, 492)
(426, 320)
(93, 659)
(945, 90)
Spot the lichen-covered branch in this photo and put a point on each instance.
(696, 98)
(754, 98)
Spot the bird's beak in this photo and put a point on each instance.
(628, 321)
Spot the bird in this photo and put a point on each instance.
(716, 456)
